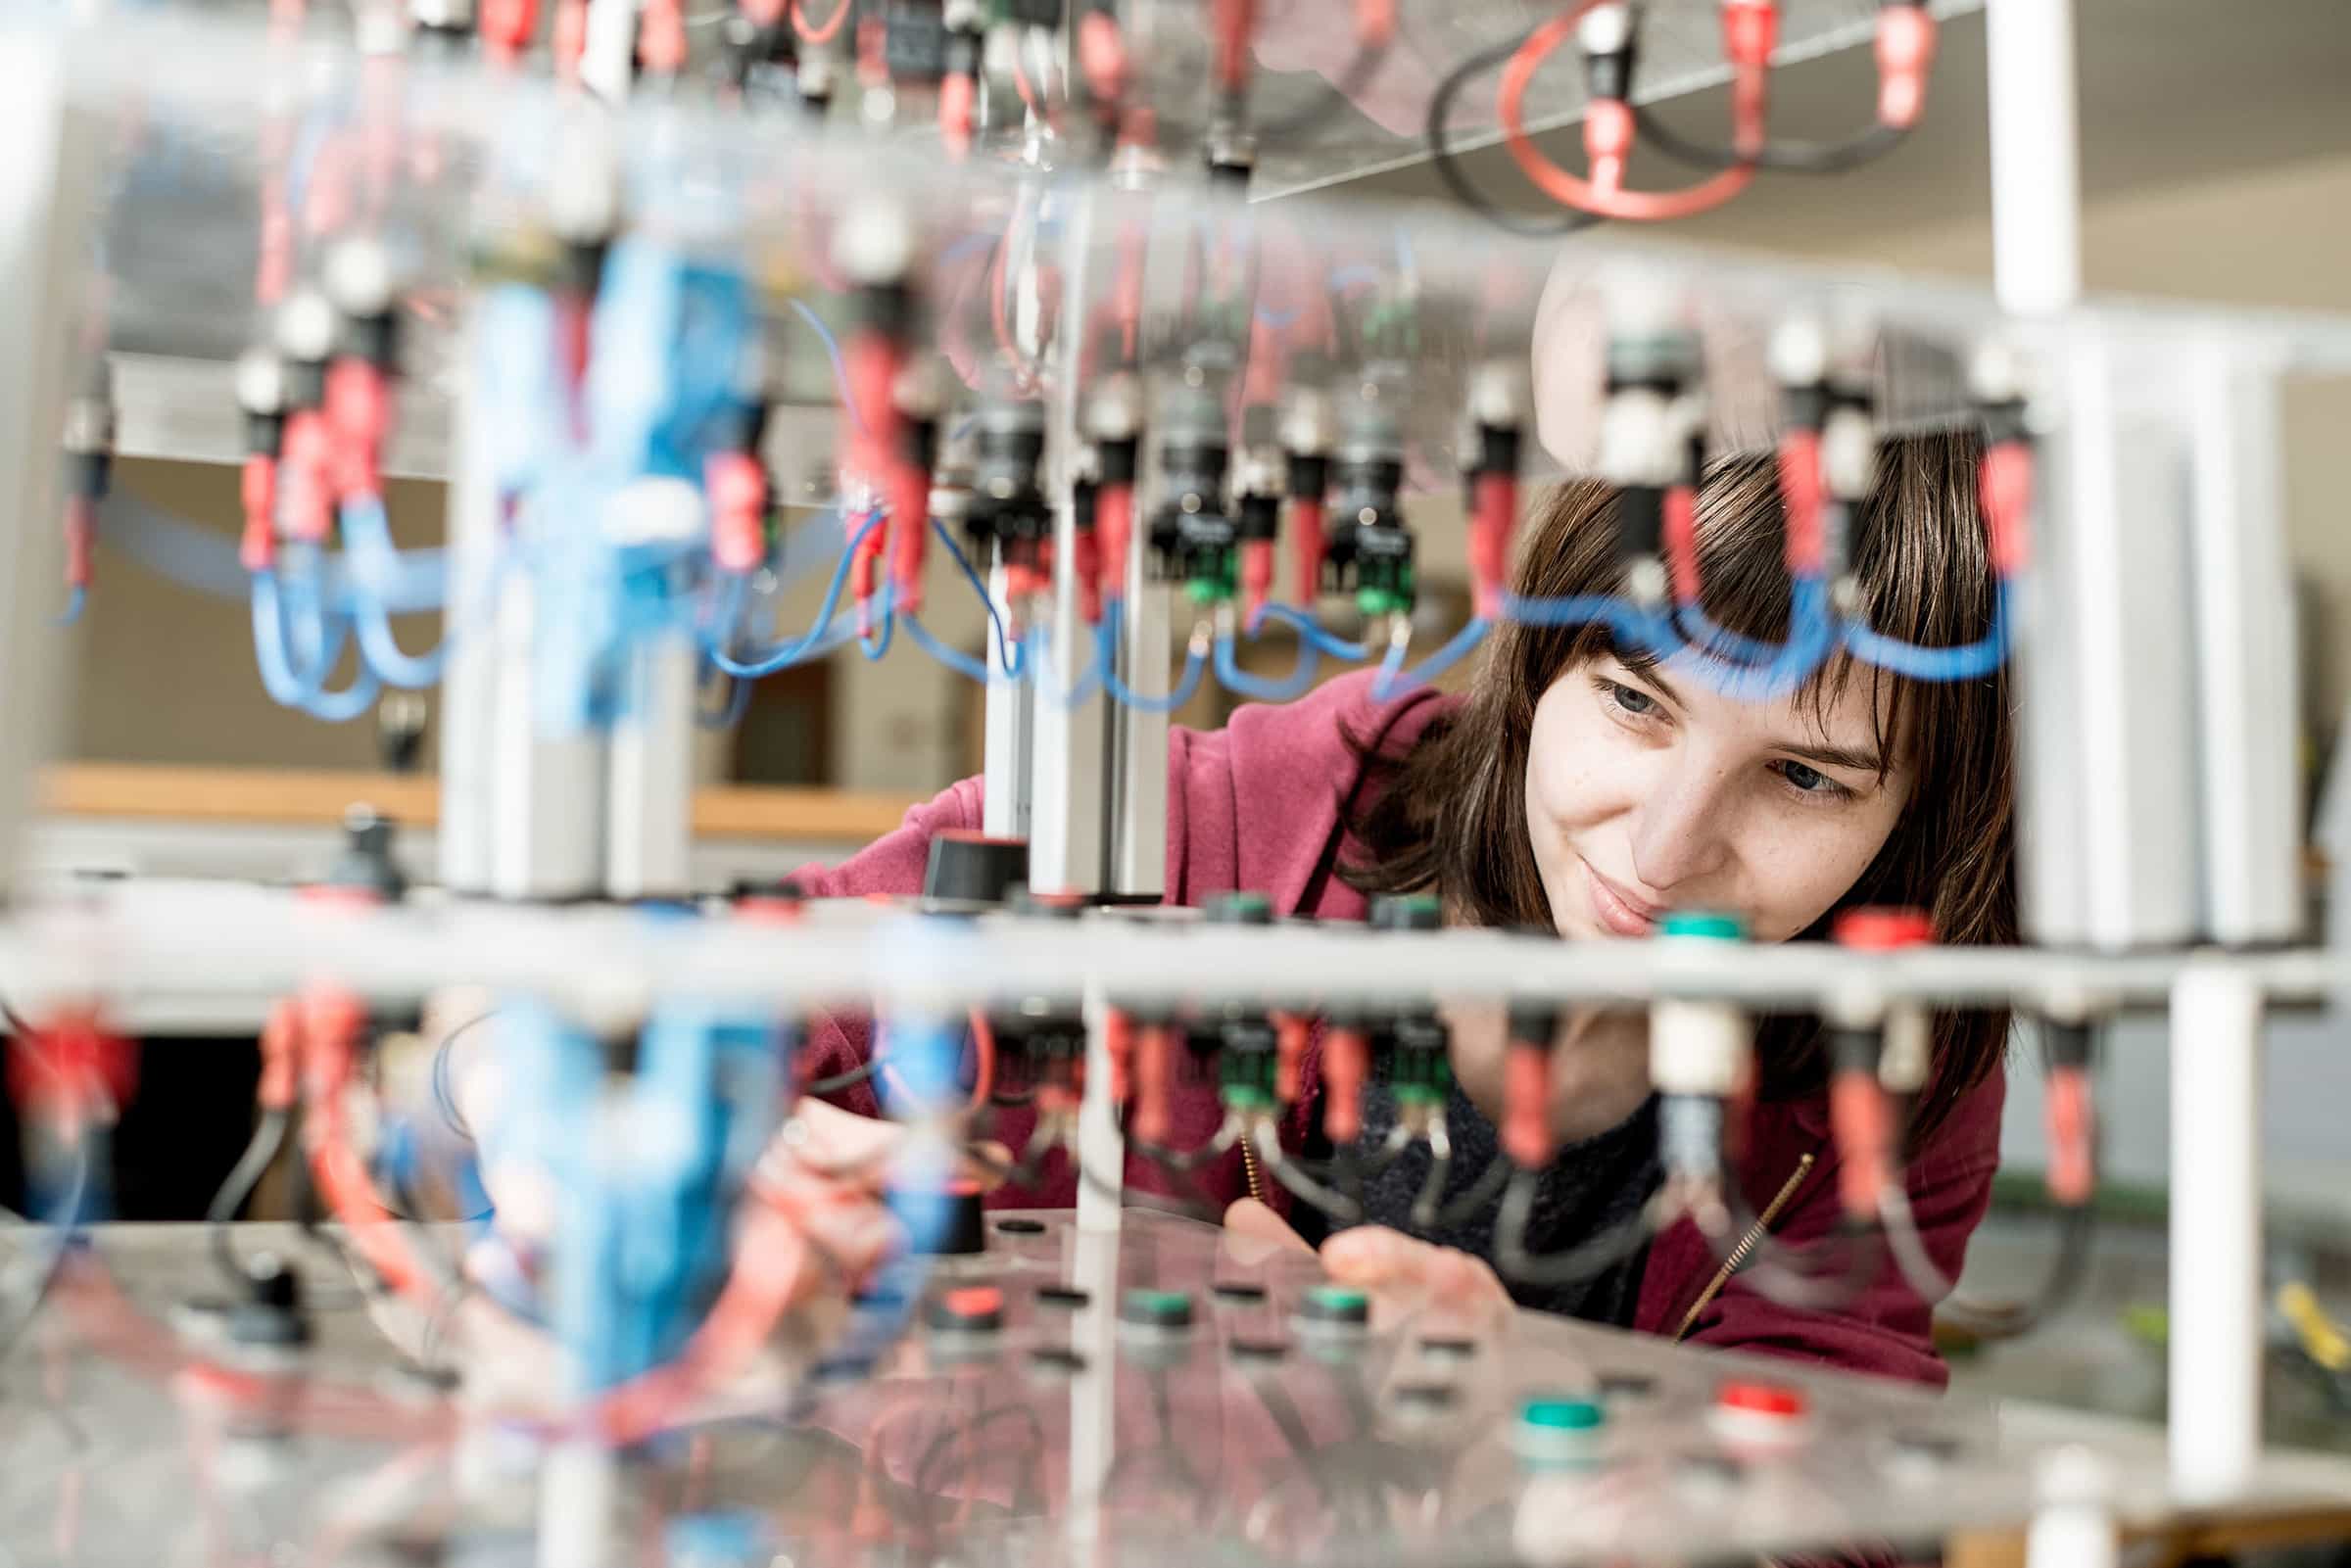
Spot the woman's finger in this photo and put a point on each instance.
(1254, 1232)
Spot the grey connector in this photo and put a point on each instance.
(584, 197)
(90, 412)
(360, 278)
(1995, 373)
(1258, 472)
(874, 243)
(261, 382)
(1114, 410)
(1798, 352)
(1500, 393)
(305, 327)
(1309, 422)
(443, 15)
(1606, 29)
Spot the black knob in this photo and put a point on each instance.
(968, 868)
(1399, 913)
(1241, 908)
(271, 1315)
(942, 1221)
(366, 866)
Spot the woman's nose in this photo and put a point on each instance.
(1682, 831)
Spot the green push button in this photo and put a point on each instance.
(1336, 1304)
(1157, 1309)
(1556, 1415)
(1710, 924)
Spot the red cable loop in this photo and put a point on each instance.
(1681, 543)
(1346, 1062)
(1597, 195)
(2004, 490)
(1801, 493)
(1526, 1104)
(1490, 527)
(1306, 548)
(821, 32)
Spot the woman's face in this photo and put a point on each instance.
(1651, 791)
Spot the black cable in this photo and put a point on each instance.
(1474, 1197)
(845, 1080)
(261, 1152)
(1803, 158)
(1441, 154)
(978, 1423)
(1992, 1320)
(1301, 1185)
(444, 1099)
(1587, 1260)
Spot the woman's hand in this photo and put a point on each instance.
(1406, 1277)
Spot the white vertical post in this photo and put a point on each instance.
(2216, 1312)
(2035, 154)
(1069, 769)
(648, 789)
(1101, 1145)
(1139, 843)
(44, 199)
(469, 623)
(1011, 719)
(1093, 1390)
(2247, 712)
(547, 793)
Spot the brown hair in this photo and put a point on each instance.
(1449, 817)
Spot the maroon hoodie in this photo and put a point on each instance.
(1257, 805)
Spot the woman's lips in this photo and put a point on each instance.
(1618, 911)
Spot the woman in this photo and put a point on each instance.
(1582, 787)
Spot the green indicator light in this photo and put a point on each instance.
(1340, 1297)
(1561, 1414)
(1710, 924)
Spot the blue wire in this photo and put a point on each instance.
(1279, 321)
(1235, 679)
(1576, 609)
(1013, 657)
(840, 369)
(1965, 662)
(739, 702)
(874, 651)
(1813, 636)
(75, 603)
(820, 638)
(1194, 663)
(956, 659)
(1394, 680)
(1721, 641)
(1347, 278)
(1036, 661)
(303, 692)
(1310, 632)
(366, 531)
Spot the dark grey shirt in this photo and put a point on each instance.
(1591, 1187)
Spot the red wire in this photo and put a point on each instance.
(1598, 195)
(823, 32)
(983, 1059)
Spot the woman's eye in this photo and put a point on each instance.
(1632, 699)
(1810, 780)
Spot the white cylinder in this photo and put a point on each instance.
(2216, 1312)
(2035, 154)
(2074, 1527)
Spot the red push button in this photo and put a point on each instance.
(1760, 1398)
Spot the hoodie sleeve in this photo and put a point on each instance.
(1886, 1330)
